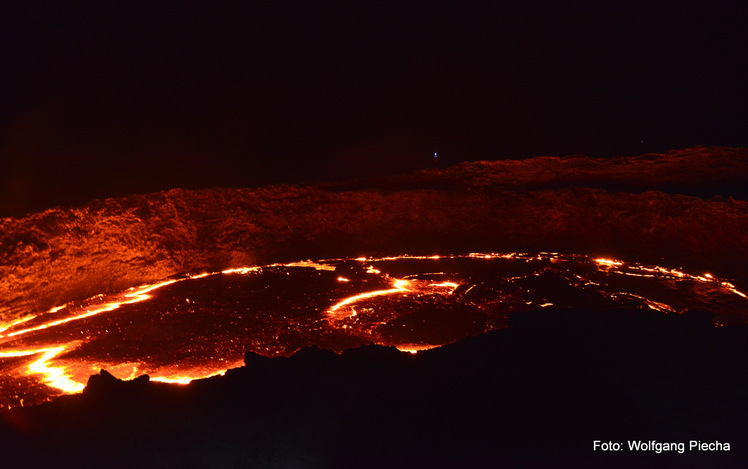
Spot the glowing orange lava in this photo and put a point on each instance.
(191, 375)
(415, 348)
(399, 286)
(30, 348)
(131, 296)
(60, 376)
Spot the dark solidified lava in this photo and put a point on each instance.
(200, 325)
(537, 394)
(609, 207)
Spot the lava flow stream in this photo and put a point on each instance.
(200, 325)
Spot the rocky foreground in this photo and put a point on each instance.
(538, 394)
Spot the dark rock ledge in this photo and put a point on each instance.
(534, 395)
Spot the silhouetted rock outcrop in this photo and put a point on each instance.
(537, 394)
(532, 395)
(104, 386)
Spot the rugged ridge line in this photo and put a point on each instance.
(528, 396)
(63, 254)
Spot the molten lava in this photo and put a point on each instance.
(200, 325)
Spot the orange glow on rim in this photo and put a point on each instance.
(415, 348)
(186, 377)
(607, 262)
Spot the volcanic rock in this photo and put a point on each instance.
(537, 394)
(65, 254)
(105, 384)
(485, 401)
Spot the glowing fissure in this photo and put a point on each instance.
(20, 353)
(400, 286)
(415, 348)
(334, 310)
(55, 376)
(653, 271)
(139, 294)
(193, 375)
(607, 262)
(655, 305)
(732, 288)
(12, 324)
(367, 316)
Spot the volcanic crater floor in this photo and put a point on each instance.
(199, 325)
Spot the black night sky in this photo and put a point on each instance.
(102, 99)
